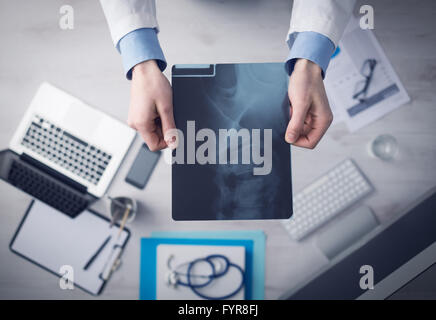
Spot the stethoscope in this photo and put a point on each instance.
(174, 276)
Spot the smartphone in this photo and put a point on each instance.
(142, 167)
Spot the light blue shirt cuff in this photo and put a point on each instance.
(138, 46)
(312, 46)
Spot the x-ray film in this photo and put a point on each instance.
(232, 162)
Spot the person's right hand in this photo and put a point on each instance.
(151, 106)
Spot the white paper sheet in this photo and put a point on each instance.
(385, 92)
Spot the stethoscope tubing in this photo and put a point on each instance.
(214, 275)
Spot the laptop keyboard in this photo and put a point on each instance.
(46, 190)
(75, 155)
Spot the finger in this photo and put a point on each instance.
(158, 128)
(308, 122)
(317, 131)
(150, 134)
(168, 124)
(296, 124)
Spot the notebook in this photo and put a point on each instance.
(232, 162)
(51, 240)
(149, 263)
(257, 236)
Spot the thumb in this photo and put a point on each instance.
(296, 124)
(168, 126)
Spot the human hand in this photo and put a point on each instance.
(151, 106)
(310, 111)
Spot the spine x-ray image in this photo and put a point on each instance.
(235, 116)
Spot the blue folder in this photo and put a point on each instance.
(147, 284)
(258, 238)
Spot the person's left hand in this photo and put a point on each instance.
(310, 111)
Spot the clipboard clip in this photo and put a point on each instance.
(113, 263)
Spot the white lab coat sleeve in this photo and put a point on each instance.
(124, 16)
(327, 17)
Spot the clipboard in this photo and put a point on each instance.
(50, 239)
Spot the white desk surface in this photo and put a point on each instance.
(83, 62)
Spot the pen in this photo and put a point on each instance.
(91, 260)
(123, 222)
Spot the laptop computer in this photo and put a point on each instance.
(64, 152)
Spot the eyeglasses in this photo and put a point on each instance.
(362, 86)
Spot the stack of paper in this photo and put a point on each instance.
(357, 94)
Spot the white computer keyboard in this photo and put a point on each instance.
(323, 199)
